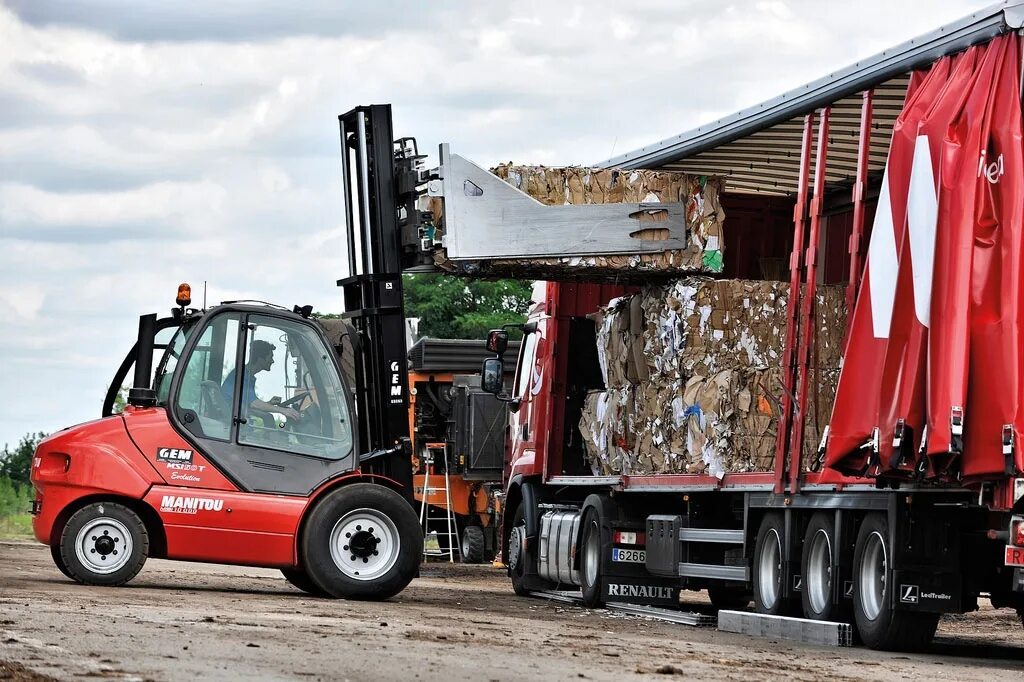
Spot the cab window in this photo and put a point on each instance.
(204, 400)
(165, 370)
(291, 396)
(527, 355)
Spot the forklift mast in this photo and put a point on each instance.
(381, 178)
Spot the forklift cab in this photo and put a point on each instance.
(256, 389)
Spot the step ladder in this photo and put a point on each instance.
(449, 529)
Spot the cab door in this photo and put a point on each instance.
(260, 394)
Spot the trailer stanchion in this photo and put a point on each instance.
(807, 328)
(792, 305)
(857, 234)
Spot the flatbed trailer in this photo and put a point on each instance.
(884, 535)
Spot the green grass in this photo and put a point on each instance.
(16, 527)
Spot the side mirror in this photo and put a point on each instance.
(497, 341)
(492, 375)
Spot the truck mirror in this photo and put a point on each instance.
(497, 341)
(529, 328)
(492, 375)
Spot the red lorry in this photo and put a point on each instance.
(915, 507)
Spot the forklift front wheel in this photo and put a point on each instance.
(362, 541)
(104, 543)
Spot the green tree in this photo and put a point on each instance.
(16, 464)
(455, 308)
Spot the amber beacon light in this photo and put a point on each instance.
(184, 294)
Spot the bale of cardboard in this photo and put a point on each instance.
(694, 371)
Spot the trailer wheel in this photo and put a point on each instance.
(590, 557)
(298, 578)
(362, 541)
(472, 547)
(104, 543)
(58, 560)
(519, 553)
(880, 625)
(768, 574)
(818, 567)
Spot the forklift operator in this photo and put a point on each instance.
(261, 358)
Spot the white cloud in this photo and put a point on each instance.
(140, 147)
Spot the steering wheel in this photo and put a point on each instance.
(293, 400)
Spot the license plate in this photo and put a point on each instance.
(632, 556)
(1015, 556)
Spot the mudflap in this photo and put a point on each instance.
(927, 592)
(626, 577)
(648, 591)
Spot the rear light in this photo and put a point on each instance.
(1017, 531)
(629, 537)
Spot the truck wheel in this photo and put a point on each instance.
(818, 567)
(298, 578)
(879, 625)
(472, 547)
(520, 555)
(768, 574)
(58, 560)
(726, 598)
(590, 557)
(104, 543)
(362, 541)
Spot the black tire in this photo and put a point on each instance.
(769, 575)
(818, 568)
(471, 550)
(728, 598)
(298, 578)
(362, 541)
(520, 554)
(879, 625)
(591, 550)
(58, 560)
(94, 541)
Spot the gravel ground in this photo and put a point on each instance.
(182, 621)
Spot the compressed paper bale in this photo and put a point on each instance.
(557, 186)
(707, 396)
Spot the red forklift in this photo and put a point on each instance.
(316, 481)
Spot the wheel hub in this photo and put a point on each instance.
(515, 547)
(365, 544)
(103, 545)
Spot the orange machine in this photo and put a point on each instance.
(464, 431)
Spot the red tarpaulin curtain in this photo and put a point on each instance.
(934, 358)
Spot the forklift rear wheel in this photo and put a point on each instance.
(472, 547)
(362, 541)
(58, 560)
(298, 578)
(104, 543)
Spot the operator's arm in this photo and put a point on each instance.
(264, 406)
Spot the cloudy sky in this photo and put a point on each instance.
(147, 143)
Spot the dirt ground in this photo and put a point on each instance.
(183, 621)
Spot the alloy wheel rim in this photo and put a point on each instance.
(873, 572)
(770, 569)
(818, 580)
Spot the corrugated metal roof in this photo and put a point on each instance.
(758, 149)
